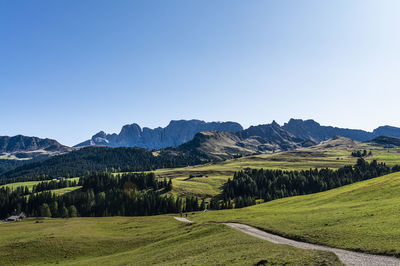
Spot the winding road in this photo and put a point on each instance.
(345, 256)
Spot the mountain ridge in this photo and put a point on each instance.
(20, 143)
(174, 134)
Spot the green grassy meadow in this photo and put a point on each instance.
(364, 216)
(30, 185)
(142, 241)
(331, 154)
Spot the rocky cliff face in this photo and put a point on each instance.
(296, 133)
(176, 133)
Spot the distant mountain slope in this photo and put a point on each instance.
(89, 159)
(176, 133)
(215, 145)
(21, 143)
(274, 137)
(313, 130)
(256, 139)
(387, 131)
(18, 150)
(309, 129)
(387, 141)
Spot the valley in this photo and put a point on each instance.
(347, 217)
(333, 154)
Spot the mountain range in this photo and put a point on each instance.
(268, 137)
(177, 132)
(313, 130)
(182, 142)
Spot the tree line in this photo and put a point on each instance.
(249, 185)
(100, 159)
(54, 184)
(361, 154)
(102, 194)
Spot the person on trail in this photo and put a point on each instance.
(186, 215)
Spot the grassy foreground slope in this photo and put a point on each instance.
(363, 216)
(142, 241)
(333, 153)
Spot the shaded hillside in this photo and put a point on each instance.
(309, 129)
(216, 145)
(79, 162)
(387, 141)
(387, 131)
(255, 140)
(274, 137)
(18, 150)
(21, 143)
(175, 134)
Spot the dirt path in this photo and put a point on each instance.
(347, 257)
(183, 220)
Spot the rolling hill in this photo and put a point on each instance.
(156, 240)
(363, 216)
(18, 150)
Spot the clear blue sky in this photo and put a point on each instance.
(70, 68)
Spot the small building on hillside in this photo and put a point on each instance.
(16, 218)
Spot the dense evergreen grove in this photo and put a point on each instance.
(7, 165)
(99, 159)
(50, 185)
(102, 194)
(247, 186)
(361, 154)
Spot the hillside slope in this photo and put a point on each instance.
(90, 159)
(387, 141)
(313, 130)
(156, 240)
(21, 143)
(19, 150)
(364, 216)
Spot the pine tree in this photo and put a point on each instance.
(64, 212)
(45, 210)
(72, 212)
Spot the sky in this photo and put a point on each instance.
(71, 68)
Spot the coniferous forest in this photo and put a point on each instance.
(248, 186)
(102, 194)
(99, 159)
(132, 194)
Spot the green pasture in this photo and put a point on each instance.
(364, 216)
(152, 240)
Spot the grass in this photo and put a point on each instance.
(30, 185)
(364, 216)
(331, 154)
(62, 191)
(142, 241)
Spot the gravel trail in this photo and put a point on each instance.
(347, 257)
(183, 220)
